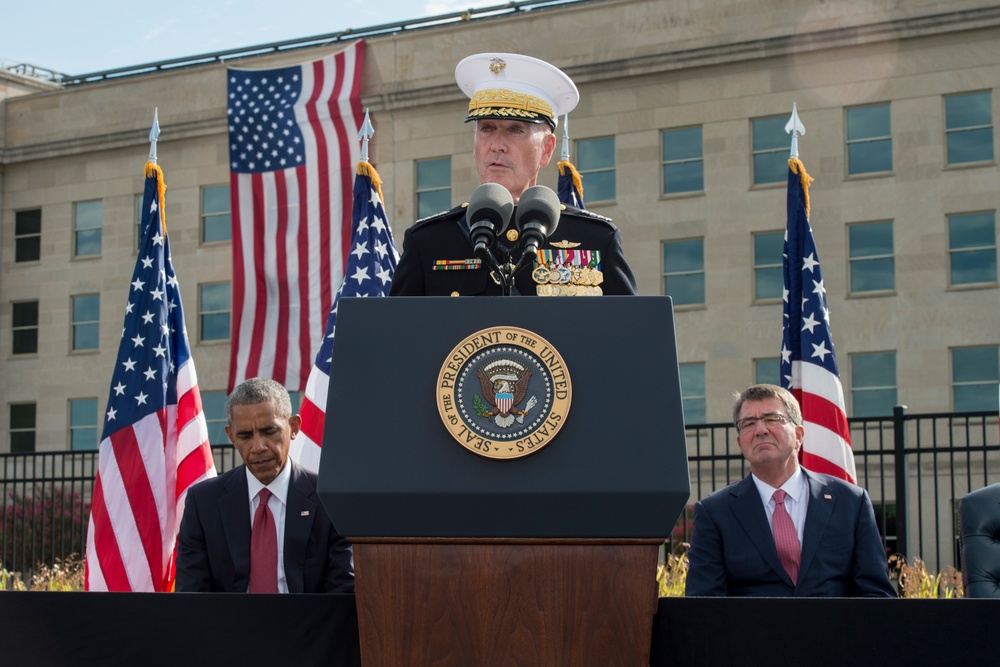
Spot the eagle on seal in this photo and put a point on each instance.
(504, 383)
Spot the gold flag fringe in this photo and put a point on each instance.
(797, 167)
(161, 188)
(366, 169)
(577, 181)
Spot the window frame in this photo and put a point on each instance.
(967, 128)
(98, 229)
(758, 361)
(202, 313)
(853, 261)
(762, 267)
(952, 252)
(664, 274)
(664, 162)
(16, 330)
(20, 239)
(208, 216)
(419, 191)
(584, 169)
(689, 398)
(848, 142)
(986, 383)
(33, 430)
(855, 390)
(74, 324)
(73, 429)
(754, 152)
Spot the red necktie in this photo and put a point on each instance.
(785, 537)
(263, 549)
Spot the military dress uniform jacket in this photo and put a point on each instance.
(438, 259)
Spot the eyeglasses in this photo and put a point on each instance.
(771, 420)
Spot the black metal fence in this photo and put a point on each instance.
(916, 468)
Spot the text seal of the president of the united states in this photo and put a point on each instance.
(504, 392)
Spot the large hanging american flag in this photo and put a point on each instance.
(808, 362)
(155, 439)
(291, 149)
(370, 267)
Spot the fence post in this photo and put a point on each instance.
(902, 481)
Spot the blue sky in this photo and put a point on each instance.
(77, 37)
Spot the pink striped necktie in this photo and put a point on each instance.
(785, 537)
(263, 548)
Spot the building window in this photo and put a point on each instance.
(969, 127)
(25, 327)
(87, 218)
(975, 373)
(683, 162)
(869, 139)
(214, 311)
(693, 392)
(972, 248)
(82, 424)
(86, 321)
(768, 272)
(28, 235)
(873, 384)
(433, 186)
(213, 404)
(684, 271)
(22, 428)
(215, 214)
(596, 163)
(767, 371)
(771, 147)
(873, 266)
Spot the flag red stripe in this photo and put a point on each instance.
(280, 367)
(312, 421)
(818, 410)
(193, 467)
(258, 240)
(355, 102)
(188, 407)
(238, 290)
(323, 177)
(140, 496)
(109, 557)
(821, 465)
(306, 327)
(344, 171)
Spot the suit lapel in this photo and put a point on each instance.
(821, 501)
(299, 515)
(749, 511)
(235, 504)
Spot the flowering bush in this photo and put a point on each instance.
(41, 527)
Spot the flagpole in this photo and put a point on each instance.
(796, 129)
(154, 134)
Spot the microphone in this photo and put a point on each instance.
(490, 207)
(537, 218)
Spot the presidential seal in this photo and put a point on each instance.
(503, 392)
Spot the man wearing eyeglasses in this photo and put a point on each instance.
(784, 531)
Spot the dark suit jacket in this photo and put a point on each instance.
(733, 553)
(446, 236)
(213, 545)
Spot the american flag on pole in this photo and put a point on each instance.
(808, 362)
(291, 148)
(370, 266)
(155, 439)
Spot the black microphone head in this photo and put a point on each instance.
(539, 206)
(489, 211)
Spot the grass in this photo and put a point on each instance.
(65, 574)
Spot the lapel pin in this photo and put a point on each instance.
(827, 496)
(306, 512)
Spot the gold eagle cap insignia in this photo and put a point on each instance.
(565, 244)
(497, 65)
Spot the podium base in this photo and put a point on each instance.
(462, 602)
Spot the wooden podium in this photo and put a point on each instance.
(464, 560)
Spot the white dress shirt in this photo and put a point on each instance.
(796, 490)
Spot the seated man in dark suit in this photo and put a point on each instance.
(784, 531)
(261, 527)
